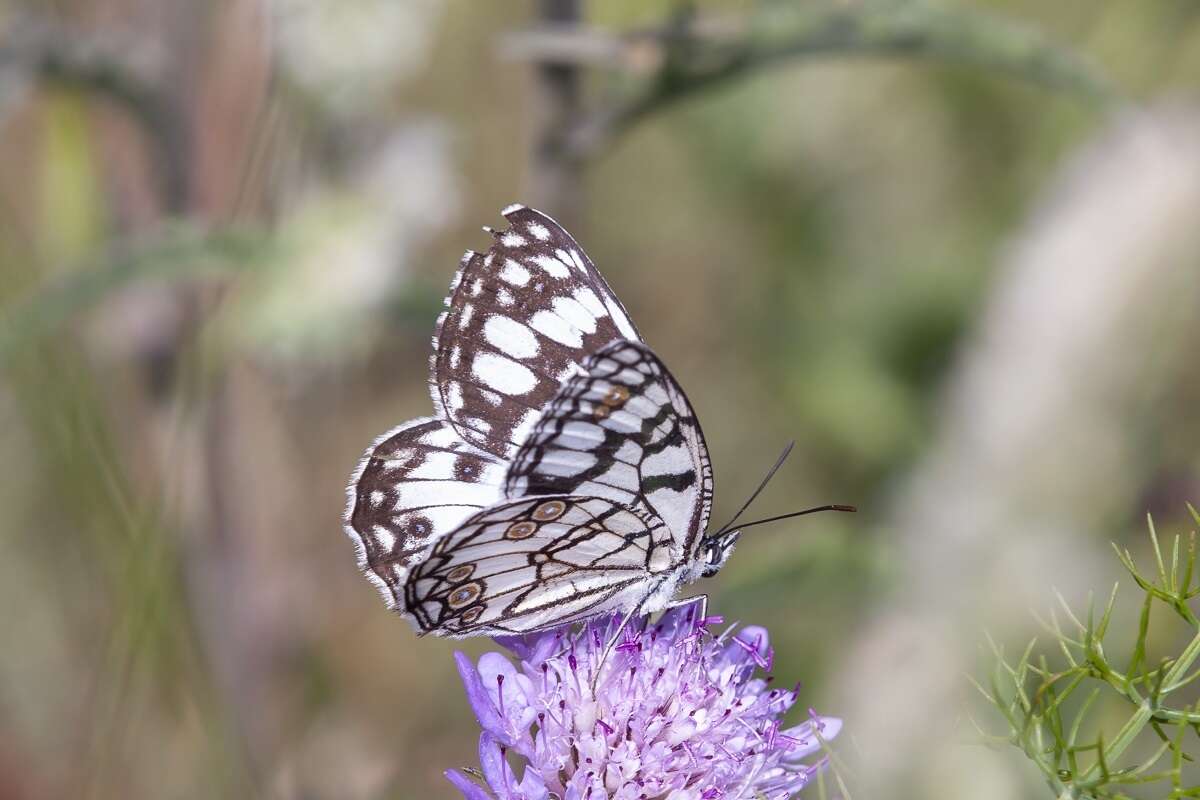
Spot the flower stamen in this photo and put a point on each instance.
(681, 710)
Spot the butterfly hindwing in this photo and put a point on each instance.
(538, 562)
(624, 430)
(416, 484)
(519, 320)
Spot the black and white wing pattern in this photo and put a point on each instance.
(417, 482)
(615, 490)
(537, 563)
(519, 320)
(622, 429)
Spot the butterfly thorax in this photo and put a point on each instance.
(664, 594)
(713, 554)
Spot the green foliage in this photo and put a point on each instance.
(1049, 704)
(831, 781)
(180, 251)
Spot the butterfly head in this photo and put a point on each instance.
(716, 551)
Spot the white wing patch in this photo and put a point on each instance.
(552, 265)
(621, 319)
(510, 337)
(576, 315)
(503, 374)
(514, 273)
(557, 329)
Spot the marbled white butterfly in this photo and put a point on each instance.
(563, 475)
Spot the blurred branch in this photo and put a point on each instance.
(552, 43)
(108, 69)
(181, 252)
(691, 55)
(553, 177)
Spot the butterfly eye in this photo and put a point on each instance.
(714, 559)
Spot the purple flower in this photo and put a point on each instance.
(676, 713)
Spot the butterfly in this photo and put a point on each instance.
(563, 475)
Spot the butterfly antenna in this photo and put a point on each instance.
(770, 474)
(849, 509)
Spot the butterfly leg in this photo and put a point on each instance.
(701, 601)
(701, 614)
(612, 642)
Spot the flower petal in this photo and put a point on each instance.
(478, 697)
(830, 727)
(520, 646)
(532, 648)
(469, 788)
(751, 645)
(804, 742)
(532, 787)
(495, 768)
(756, 633)
(511, 693)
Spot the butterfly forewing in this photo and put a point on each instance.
(519, 320)
(538, 562)
(623, 430)
(416, 484)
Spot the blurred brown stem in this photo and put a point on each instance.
(166, 98)
(554, 174)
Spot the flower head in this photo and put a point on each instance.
(675, 712)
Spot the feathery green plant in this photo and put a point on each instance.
(1081, 746)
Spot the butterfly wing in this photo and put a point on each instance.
(625, 431)
(519, 320)
(533, 305)
(417, 483)
(537, 563)
(523, 329)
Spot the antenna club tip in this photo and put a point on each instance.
(850, 509)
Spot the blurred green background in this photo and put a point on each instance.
(949, 248)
